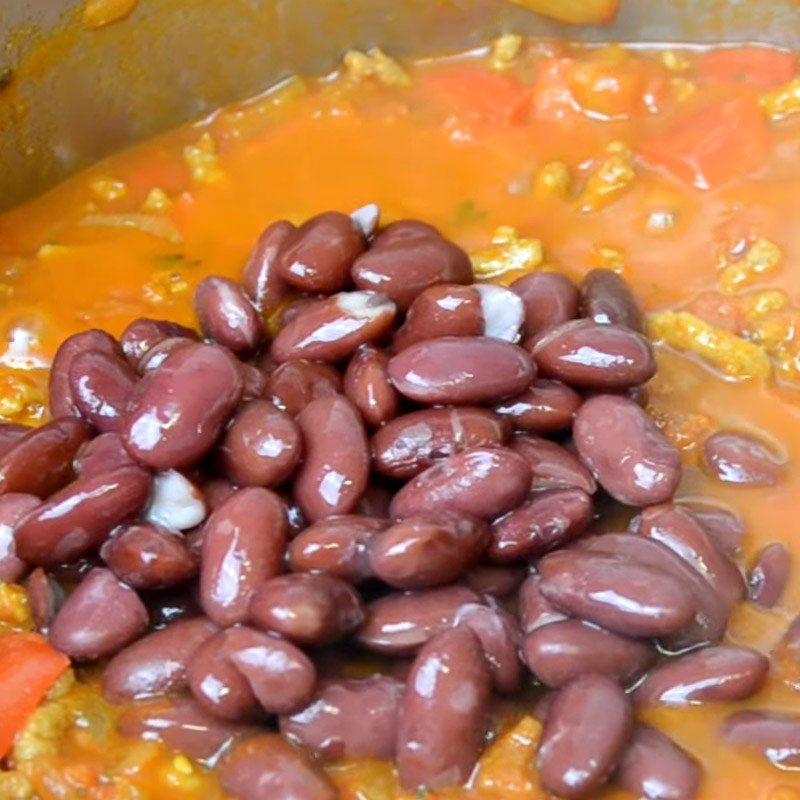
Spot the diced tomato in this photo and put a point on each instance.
(764, 67)
(552, 95)
(575, 12)
(713, 145)
(29, 667)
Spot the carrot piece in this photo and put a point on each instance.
(764, 67)
(712, 145)
(29, 667)
(575, 12)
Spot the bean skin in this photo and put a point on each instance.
(553, 465)
(260, 279)
(724, 673)
(226, 314)
(143, 334)
(482, 481)
(101, 385)
(442, 714)
(550, 299)
(45, 598)
(769, 575)
(546, 407)
(741, 459)
(104, 453)
(461, 370)
(535, 610)
(367, 386)
(13, 507)
(336, 468)
(607, 300)
(495, 581)
(100, 618)
(775, 735)
(628, 455)
(293, 385)
(586, 730)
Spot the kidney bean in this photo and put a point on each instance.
(157, 663)
(775, 735)
(240, 671)
(101, 385)
(535, 610)
(413, 442)
(62, 403)
(442, 713)
(336, 546)
(655, 768)
(739, 458)
(553, 465)
(170, 605)
(268, 766)
(262, 446)
(367, 219)
(549, 298)
(10, 434)
(45, 598)
(678, 530)
(334, 328)
(76, 520)
(226, 314)
(627, 454)
(482, 481)
(376, 500)
(143, 334)
(564, 650)
(100, 618)
(294, 517)
(493, 580)
(40, 463)
(725, 527)
(309, 609)
(335, 471)
(769, 575)
(159, 353)
(13, 507)
(546, 407)
(367, 386)
(179, 410)
(461, 370)
(243, 546)
(149, 556)
(428, 549)
(550, 519)
(293, 385)
(607, 300)
(104, 453)
(626, 597)
(399, 624)
(585, 354)
(216, 491)
(502, 310)
(254, 381)
(294, 309)
(181, 724)
(260, 279)
(355, 718)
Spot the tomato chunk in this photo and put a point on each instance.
(764, 67)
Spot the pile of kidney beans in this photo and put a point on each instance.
(413, 467)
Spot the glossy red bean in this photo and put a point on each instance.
(442, 715)
(226, 314)
(534, 609)
(655, 768)
(495, 580)
(482, 481)
(40, 463)
(413, 442)
(104, 453)
(549, 519)
(607, 299)
(143, 334)
(776, 736)
(100, 618)
(10, 434)
(260, 279)
(553, 465)
(243, 546)
(45, 598)
(586, 730)
(101, 386)
(349, 719)
(428, 550)
(171, 605)
(292, 386)
(337, 546)
(216, 492)
(769, 575)
(585, 354)
(625, 597)
(562, 651)
(149, 556)
(546, 407)
(268, 766)
(178, 411)
(159, 353)
(550, 299)
(399, 624)
(335, 470)
(309, 609)
(262, 446)
(627, 454)
(724, 526)
(254, 381)
(157, 663)
(461, 370)
(367, 386)
(77, 520)
(13, 507)
(742, 459)
(333, 329)
(376, 499)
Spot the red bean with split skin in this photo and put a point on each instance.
(442, 719)
(553, 465)
(427, 550)
(725, 527)
(226, 314)
(739, 458)
(495, 580)
(13, 507)
(413, 442)
(293, 385)
(367, 385)
(143, 334)
(260, 279)
(769, 575)
(775, 735)
(156, 664)
(627, 454)
(461, 370)
(534, 609)
(349, 719)
(564, 650)
(482, 481)
(585, 734)
(104, 453)
(544, 408)
(399, 624)
(45, 598)
(178, 411)
(10, 434)
(101, 385)
(308, 609)
(100, 618)
(334, 328)
(550, 299)
(607, 300)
